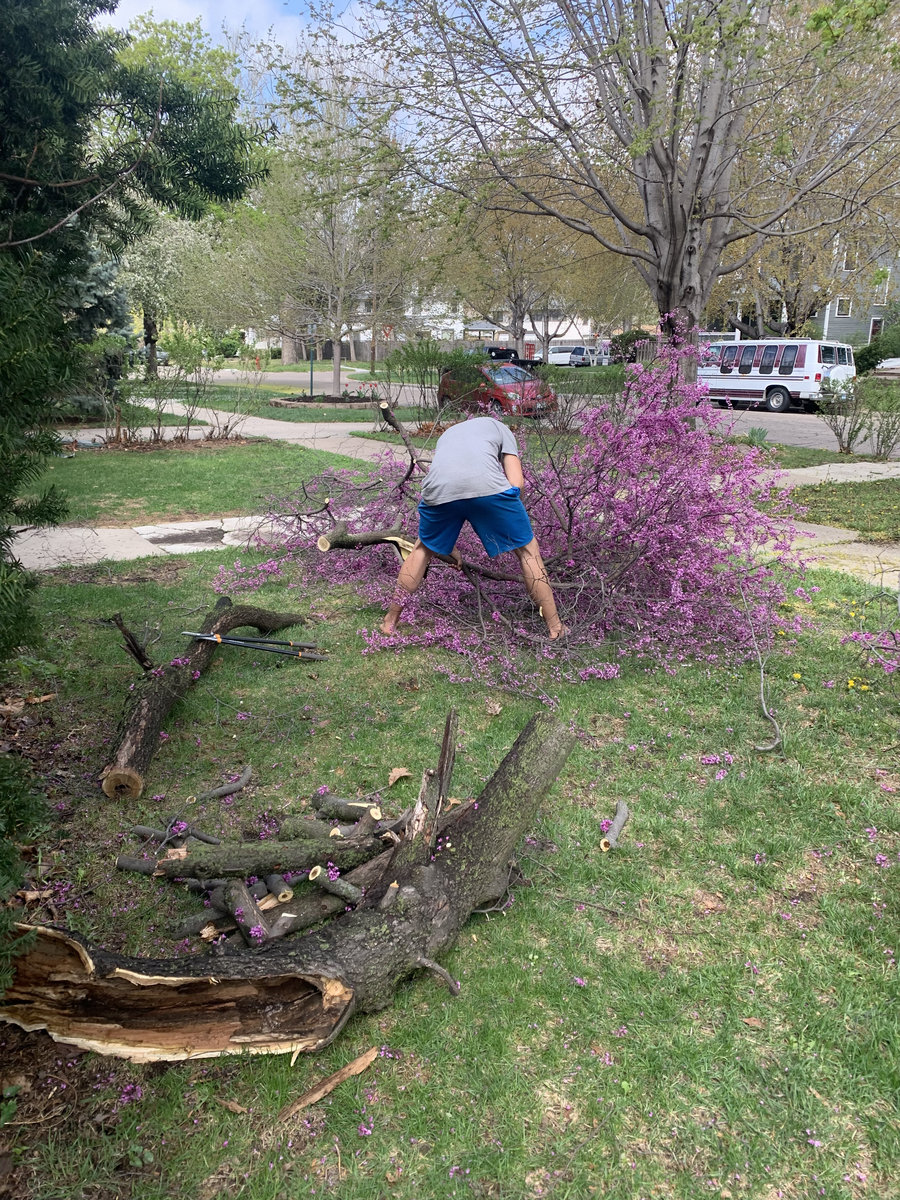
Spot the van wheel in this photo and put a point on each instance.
(778, 399)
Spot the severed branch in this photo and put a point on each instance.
(390, 418)
(619, 821)
(228, 789)
(159, 691)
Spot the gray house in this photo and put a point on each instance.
(857, 316)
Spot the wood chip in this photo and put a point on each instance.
(328, 1085)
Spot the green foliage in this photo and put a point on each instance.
(88, 145)
(230, 344)
(882, 400)
(621, 345)
(886, 345)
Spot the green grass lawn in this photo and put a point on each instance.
(705, 1009)
(229, 399)
(131, 414)
(871, 508)
(708, 1009)
(122, 487)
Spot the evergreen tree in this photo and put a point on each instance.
(89, 145)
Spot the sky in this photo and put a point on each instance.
(285, 17)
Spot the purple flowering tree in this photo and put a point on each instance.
(660, 537)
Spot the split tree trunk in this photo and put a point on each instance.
(157, 693)
(297, 995)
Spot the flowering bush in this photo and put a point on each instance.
(650, 523)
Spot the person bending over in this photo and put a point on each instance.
(476, 476)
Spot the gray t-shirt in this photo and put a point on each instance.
(467, 461)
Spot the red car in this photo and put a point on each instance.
(498, 389)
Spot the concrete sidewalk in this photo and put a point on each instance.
(44, 549)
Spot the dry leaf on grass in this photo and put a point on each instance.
(231, 1105)
(398, 773)
(753, 1022)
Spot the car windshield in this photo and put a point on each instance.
(509, 374)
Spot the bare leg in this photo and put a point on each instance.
(534, 574)
(408, 581)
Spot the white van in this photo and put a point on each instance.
(569, 354)
(777, 373)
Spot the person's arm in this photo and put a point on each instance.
(512, 469)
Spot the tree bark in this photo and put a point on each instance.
(158, 692)
(239, 860)
(297, 995)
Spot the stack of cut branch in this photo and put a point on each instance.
(250, 886)
(408, 904)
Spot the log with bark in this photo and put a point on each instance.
(161, 688)
(298, 994)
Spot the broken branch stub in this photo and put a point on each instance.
(295, 995)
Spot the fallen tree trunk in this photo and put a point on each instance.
(295, 995)
(157, 693)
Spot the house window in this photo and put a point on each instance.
(881, 290)
(851, 259)
(875, 328)
(843, 306)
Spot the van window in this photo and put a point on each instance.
(768, 360)
(788, 358)
(826, 355)
(842, 356)
(747, 356)
(729, 354)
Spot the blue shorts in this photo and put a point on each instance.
(500, 521)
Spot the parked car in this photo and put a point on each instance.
(501, 389)
(601, 355)
(569, 354)
(141, 354)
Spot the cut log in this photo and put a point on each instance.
(279, 889)
(246, 913)
(295, 995)
(240, 860)
(333, 808)
(304, 827)
(157, 693)
(342, 888)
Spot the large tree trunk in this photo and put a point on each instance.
(298, 995)
(151, 337)
(154, 697)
